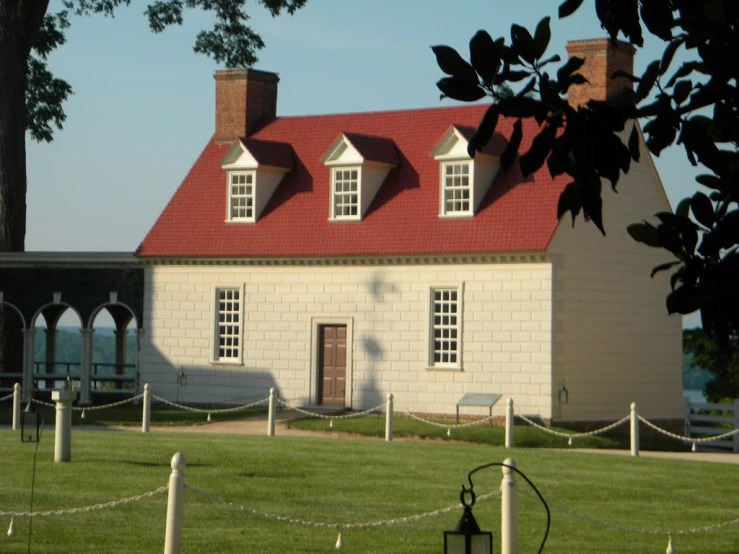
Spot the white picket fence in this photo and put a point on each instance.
(702, 421)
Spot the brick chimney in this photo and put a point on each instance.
(602, 58)
(246, 99)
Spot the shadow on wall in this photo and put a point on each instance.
(203, 384)
(368, 395)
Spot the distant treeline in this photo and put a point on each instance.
(69, 345)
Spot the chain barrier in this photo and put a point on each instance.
(574, 435)
(378, 408)
(85, 509)
(8, 397)
(42, 403)
(209, 411)
(448, 425)
(105, 406)
(684, 438)
(342, 526)
(636, 530)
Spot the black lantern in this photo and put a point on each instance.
(30, 424)
(467, 537)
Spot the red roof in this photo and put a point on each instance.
(517, 214)
(276, 154)
(376, 149)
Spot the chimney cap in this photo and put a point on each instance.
(246, 72)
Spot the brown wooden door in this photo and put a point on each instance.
(332, 364)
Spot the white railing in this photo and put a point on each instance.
(696, 418)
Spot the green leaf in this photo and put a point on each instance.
(571, 65)
(522, 43)
(645, 233)
(569, 201)
(634, 149)
(662, 267)
(460, 90)
(568, 7)
(451, 63)
(484, 56)
(648, 79)
(683, 71)
(710, 181)
(682, 91)
(511, 150)
(683, 208)
(542, 35)
(484, 131)
(702, 209)
(540, 148)
(668, 54)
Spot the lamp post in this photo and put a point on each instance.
(30, 424)
(467, 538)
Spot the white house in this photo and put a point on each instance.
(342, 257)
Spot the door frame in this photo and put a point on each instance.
(315, 352)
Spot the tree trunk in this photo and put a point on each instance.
(19, 24)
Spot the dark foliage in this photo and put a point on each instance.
(721, 360)
(695, 106)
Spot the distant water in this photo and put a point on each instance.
(694, 395)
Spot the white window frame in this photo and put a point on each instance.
(453, 329)
(444, 188)
(357, 194)
(236, 314)
(247, 196)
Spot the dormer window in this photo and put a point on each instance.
(345, 193)
(456, 188)
(358, 166)
(463, 181)
(241, 196)
(254, 170)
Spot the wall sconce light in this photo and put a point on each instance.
(30, 424)
(563, 393)
(181, 378)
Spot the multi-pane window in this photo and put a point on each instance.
(446, 312)
(241, 196)
(229, 325)
(456, 188)
(345, 193)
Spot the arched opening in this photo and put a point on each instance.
(11, 348)
(57, 352)
(114, 351)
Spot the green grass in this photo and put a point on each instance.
(524, 436)
(340, 480)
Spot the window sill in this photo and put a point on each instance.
(224, 363)
(444, 368)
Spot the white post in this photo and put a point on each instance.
(271, 415)
(508, 510)
(736, 425)
(509, 423)
(16, 407)
(146, 415)
(634, 430)
(175, 505)
(63, 429)
(389, 418)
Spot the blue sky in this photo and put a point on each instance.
(142, 109)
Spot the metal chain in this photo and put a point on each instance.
(85, 509)
(626, 529)
(324, 525)
(8, 397)
(105, 406)
(41, 402)
(447, 425)
(574, 435)
(684, 438)
(377, 408)
(211, 411)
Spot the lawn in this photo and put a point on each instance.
(339, 480)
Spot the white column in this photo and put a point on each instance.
(63, 430)
(509, 423)
(271, 414)
(146, 415)
(389, 418)
(175, 506)
(86, 369)
(508, 510)
(29, 336)
(634, 430)
(16, 407)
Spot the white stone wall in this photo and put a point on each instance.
(613, 341)
(506, 333)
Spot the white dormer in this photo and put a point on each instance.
(358, 165)
(463, 181)
(254, 169)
